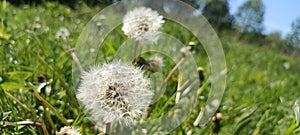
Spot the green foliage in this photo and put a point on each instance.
(217, 13)
(33, 33)
(250, 16)
(262, 81)
(293, 39)
(14, 80)
(70, 3)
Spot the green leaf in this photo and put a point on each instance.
(4, 5)
(11, 85)
(14, 80)
(296, 109)
(295, 122)
(19, 76)
(5, 115)
(4, 35)
(291, 128)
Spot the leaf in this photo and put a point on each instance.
(15, 80)
(4, 35)
(296, 109)
(11, 85)
(296, 120)
(4, 5)
(291, 128)
(5, 115)
(19, 76)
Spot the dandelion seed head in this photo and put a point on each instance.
(142, 24)
(67, 130)
(156, 63)
(115, 92)
(62, 33)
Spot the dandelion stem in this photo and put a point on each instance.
(173, 71)
(75, 58)
(26, 123)
(197, 121)
(43, 126)
(165, 83)
(49, 118)
(46, 104)
(138, 48)
(202, 88)
(107, 129)
(172, 97)
(178, 94)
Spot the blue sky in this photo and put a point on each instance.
(279, 14)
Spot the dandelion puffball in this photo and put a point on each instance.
(62, 33)
(115, 92)
(67, 130)
(142, 24)
(155, 63)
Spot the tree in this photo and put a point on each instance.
(293, 39)
(250, 16)
(198, 4)
(217, 13)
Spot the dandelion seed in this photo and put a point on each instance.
(67, 130)
(116, 92)
(62, 33)
(142, 24)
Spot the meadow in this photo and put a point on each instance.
(37, 95)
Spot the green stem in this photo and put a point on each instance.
(136, 50)
(75, 58)
(201, 89)
(107, 129)
(49, 118)
(43, 126)
(46, 104)
(165, 83)
(70, 92)
(17, 101)
(10, 104)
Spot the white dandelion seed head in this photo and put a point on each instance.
(62, 33)
(67, 130)
(115, 92)
(142, 24)
(155, 63)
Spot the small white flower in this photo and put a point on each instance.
(142, 24)
(116, 92)
(67, 130)
(62, 33)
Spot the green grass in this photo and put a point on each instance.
(262, 82)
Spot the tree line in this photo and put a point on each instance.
(247, 22)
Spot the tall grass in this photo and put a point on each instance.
(262, 82)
